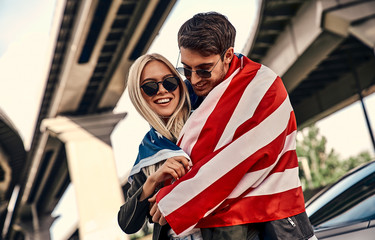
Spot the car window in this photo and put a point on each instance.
(365, 210)
(338, 188)
(349, 201)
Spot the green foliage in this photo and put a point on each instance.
(318, 166)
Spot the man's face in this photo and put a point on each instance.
(193, 61)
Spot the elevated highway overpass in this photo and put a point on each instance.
(323, 50)
(95, 43)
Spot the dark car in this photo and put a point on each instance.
(346, 210)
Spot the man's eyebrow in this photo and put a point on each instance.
(185, 64)
(200, 65)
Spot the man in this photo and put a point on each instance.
(241, 140)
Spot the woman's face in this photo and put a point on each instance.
(163, 103)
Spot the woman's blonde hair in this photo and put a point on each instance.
(172, 129)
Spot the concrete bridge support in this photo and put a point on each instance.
(92, 171)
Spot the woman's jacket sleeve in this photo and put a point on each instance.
(132, 215)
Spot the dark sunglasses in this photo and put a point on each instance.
(200, 72)
(151, 88)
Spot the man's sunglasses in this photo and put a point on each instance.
(200, 72)
(151, 88)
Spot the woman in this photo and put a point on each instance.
(160, 96)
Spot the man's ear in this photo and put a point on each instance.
(228, 56)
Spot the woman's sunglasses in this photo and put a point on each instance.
(151, 88)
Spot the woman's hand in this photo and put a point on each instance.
(174, 167)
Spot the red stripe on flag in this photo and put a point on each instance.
(273, 98)
(256, 209)
(267, 155)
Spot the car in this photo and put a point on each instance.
(346, 210)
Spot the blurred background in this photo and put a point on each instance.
(68, 130)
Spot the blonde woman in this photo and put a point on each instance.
(161, 97)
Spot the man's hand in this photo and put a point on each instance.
(155, 213)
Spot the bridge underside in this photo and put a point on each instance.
(323, 50)
(95, 42)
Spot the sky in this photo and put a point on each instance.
(24, 58)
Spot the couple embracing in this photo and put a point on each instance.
(219, 161)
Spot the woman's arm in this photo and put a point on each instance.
(133, 213)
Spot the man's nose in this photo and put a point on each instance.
(195, 78)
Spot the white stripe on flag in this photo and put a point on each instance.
(253, 94)
(278, 182)
(253, 179)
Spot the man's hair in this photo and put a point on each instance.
(172, 129)
(208, 33)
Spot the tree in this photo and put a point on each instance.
(320, 167)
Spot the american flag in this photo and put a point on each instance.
(153, 149)
(241, 141)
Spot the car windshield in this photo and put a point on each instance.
(363, 211)
(344, 197)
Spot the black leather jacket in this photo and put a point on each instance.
(133, 214)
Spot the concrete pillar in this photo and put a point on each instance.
(92, 170)
(38, 227)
